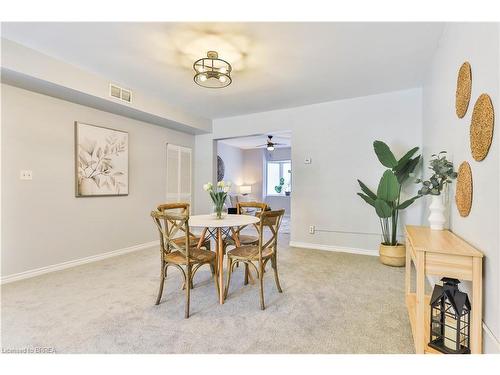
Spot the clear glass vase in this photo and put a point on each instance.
(220, 210)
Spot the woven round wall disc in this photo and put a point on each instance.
(464, 85)
(481, 127)
(463, 194)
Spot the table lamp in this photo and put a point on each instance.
(245, 189)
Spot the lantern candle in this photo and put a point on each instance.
(450, 333)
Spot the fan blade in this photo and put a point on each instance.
(262, 145)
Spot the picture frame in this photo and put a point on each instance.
(101, 161)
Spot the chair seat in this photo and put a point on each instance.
(192, 239)
(196, 256)
(249, 253)
(245, 239)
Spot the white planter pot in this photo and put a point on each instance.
(437, 218)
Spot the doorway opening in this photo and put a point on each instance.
(260, 169)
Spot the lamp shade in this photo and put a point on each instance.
(245, 189)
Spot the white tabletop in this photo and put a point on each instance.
(211, 221)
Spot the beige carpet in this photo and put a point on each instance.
(332, 303)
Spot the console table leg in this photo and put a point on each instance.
(476, 338)
(420, 319)
(408, 272)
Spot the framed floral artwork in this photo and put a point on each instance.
(101, 161)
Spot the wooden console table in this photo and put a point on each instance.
(442, 254)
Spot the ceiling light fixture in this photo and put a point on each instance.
(212, 72)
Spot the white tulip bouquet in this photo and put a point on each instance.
(218, 194)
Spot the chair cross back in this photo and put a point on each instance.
(241, 208)
(170, 223)
(271, 220)
(182, 206)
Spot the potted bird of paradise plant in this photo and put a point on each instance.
(387, 200)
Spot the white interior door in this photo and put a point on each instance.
(179, 174)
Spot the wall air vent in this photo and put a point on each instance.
(120, 93)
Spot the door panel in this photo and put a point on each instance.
(179, 174)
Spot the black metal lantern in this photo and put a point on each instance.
(450, 318)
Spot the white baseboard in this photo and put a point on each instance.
(74, 263)
(341, 249)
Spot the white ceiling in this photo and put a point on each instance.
(253, 141)
(277, 65)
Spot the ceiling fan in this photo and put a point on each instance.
(270, 144)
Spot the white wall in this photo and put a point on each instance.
(253, 170)
(442, 130)
(233, 163)
(43, 223)
(338, 136)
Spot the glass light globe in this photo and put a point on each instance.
(203, 78)
(222, 79)
(270, 148)
(223, 70)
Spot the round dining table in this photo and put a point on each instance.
(218, 229)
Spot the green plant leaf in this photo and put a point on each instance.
(383, 209)
(367, 191)
(388, 187)
(384, 154)
(409, 167)
(367, 199)
(408, 202)
(406, 158)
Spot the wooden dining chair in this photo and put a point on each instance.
(245, 208)
(172, 219)
(260, 253)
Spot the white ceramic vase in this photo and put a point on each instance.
(437, 218)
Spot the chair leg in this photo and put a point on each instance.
(246, 274)
(216, 279)
(212, 269)
(229, 272)
(188, 291)
(191, 285)
(163, 275)
(274, 264)
(261, 281)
